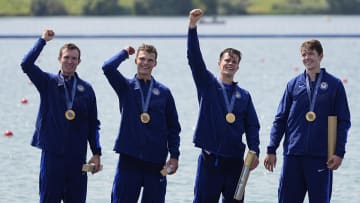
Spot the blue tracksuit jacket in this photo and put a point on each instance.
(212, 132)
(149, 142)
(53, 132)
(310, 138)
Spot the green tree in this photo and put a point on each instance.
(211, 6)
(161, 7)
(227, 7)
(223, 7)
(103, 7)
(344, 6)
(47, 8)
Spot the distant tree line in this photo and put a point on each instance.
(344, 6)
(44, 7)
(182, 7)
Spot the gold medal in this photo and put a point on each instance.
(145, 117)
(70, 114)
(230, 117)
(310, 116)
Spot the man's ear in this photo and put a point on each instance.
(218, 64)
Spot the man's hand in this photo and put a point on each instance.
(194, 17)
(48, 35)
(173, 165)
(95, 160)
(254, 163)
(270, 162)
(334, 162)
(130, 50)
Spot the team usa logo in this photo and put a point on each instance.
(80, 88)
(324, 86)
(156, 91)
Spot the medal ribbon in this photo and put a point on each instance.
(69, 103)
(308, 90)
(229, 105)
(145, 103)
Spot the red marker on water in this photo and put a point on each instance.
(24, 100)
(344, 80)
(8, 133)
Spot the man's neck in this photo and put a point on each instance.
(67, 76)
(226, 80)
(312, 73)
(144, 77)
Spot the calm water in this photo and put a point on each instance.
(268, 63)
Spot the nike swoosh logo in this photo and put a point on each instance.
(320, 170)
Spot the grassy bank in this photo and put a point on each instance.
(287, 6)
(22, 7)
(14, 7)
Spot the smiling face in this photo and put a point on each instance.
(69, 59)
(145, 61)
(311, 59)
(311, 54)
(229, 64)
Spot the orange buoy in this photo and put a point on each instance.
(8, 133)
(344, 80)
(24, 101)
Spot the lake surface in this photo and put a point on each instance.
(268, 63)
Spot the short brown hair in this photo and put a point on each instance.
(312, 44)
(70, 46)
(231, 52)
(148, 48)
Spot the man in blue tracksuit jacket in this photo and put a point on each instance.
(226, 113)
(66, 123)
(149, 129)
(302, 116)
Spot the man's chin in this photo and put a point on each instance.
(229, 73)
